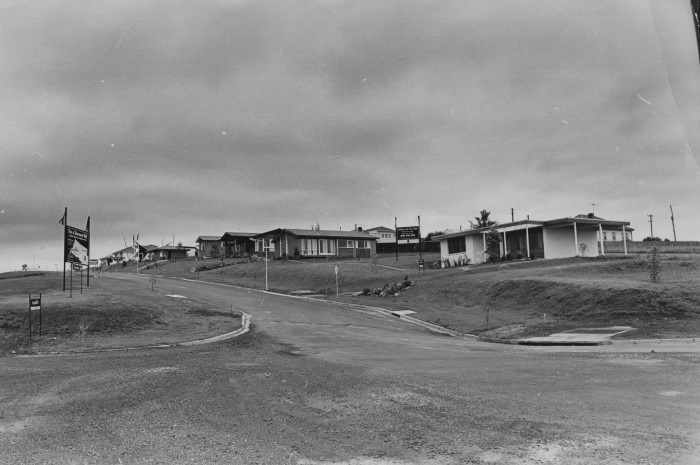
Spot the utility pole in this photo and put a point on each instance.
(512, 216)
(651, 225)
(673, 224)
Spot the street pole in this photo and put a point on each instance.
(673, 224)
(396, 237)
(266, 250)
(651, 225)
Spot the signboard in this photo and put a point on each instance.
(34, 303)
(93, 262)
(77, 246)
(408, 233)
(77, 267)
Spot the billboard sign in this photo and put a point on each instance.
(77, 246)
(410, 234)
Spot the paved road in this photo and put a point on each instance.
(318, 383)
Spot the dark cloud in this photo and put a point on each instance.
(195, 118)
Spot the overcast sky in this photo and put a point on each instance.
(187, 118)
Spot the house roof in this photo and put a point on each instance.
(580, 220)
(238, 234)
(380, 229)
(129, 249)
(171, 247)
(275, 233)
(208, 238)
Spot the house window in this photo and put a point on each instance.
(456, 245)
(386, 236)
(605, 236)
(347, 244)
(262, 245)
(309, 246)
(363, 245)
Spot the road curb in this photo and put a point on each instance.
(245, 327)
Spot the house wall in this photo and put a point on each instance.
(559, 242)
(383, 240)
(204, 248)
(294, 242)
(474, 250)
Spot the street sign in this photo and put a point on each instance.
(336, 271)
(34, 303)
(407, 233)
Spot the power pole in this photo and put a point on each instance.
(512, 216)
(651, 225)
(673, 224)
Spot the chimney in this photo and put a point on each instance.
(359, 229)
(591, 215)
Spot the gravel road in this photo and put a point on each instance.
(314, 383)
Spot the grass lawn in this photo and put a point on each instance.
(111, 314)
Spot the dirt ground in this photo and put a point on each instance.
(417, 399)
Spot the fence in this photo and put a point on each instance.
(634, 247)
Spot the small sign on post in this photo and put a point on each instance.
(34, 304)
(421, 265)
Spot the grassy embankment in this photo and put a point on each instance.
(111, 313)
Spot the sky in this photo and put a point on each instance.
(175, 119)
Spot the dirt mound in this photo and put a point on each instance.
(586, 301)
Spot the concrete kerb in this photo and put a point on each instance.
(245, 327)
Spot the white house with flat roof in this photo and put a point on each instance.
(559, 238)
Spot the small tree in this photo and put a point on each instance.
(482, 221)
(214, 251)
(493, 245)
(24, 267)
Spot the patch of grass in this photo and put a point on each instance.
(111, 313)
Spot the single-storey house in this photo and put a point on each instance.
(558, 238)
(169, 252)
(206, 245)
(238, 244)
(309, 243)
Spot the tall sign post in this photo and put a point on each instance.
(64, 222)
(87, 264)
(76, 249)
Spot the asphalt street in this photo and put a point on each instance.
(325, 383)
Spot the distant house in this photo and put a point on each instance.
(383, 234)
(238, 244)
(205, 245)
(231, 244)
(616, 235)
(127, 254)
(558, 238)
(308, 243)
(169, 252)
